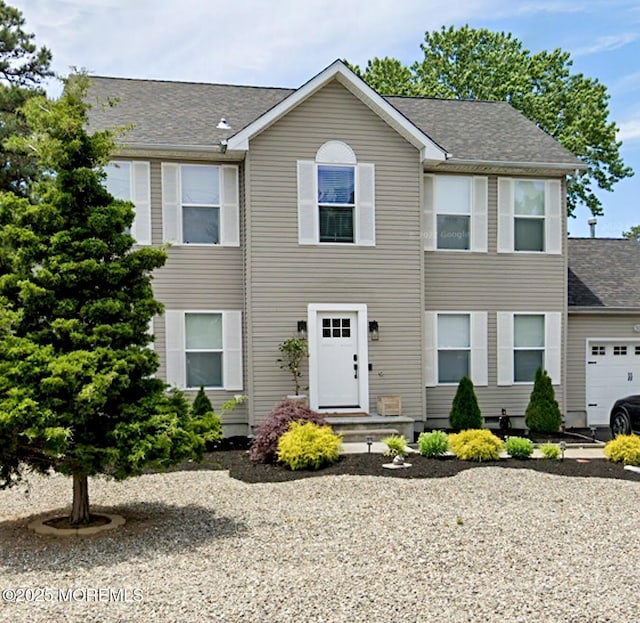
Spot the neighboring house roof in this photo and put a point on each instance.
(604, 273)
(185, 114)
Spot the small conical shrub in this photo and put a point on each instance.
(201, 403)
(465, 412)
(543, 413)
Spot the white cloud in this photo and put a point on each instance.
(607, 44)
(629, 131)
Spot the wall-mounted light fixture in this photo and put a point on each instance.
(302, 329)
(373, 330)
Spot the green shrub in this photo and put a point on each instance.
(205, 421)
(476, 445)
(624, 449)
(308, 446)
(550, 451)
(519, 447)
(465, 412)
(396, 445)
(543, 413)
(435, 443)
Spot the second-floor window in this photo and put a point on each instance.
(200, 204)
(530, 218)
(336, 198)
(129, 181)
(336, 202)
(455, 213)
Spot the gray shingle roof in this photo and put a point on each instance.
(604, 272)
(186, 113)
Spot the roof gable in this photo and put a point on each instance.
(429, 149)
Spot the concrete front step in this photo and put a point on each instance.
(356, 428)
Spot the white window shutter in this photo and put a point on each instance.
(429, 233)
(553, 217)
(505, 215)
(229, 207)
(141, 197)
(232, 345)
(174, 339)
(479, 371)
(430, 349)
(365, 206)
(505, 347)
(479, 215)
(308, 228)
(553, 346)
(171, 209)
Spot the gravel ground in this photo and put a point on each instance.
(488, 544)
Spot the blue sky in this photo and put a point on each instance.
(285, 42)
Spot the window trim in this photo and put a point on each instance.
(478, 213)
(199, 205)
(353, 205)
(229, 208)
(139, 196)
(478, 359)
(553, 228)
(553, 337)
(232, 348)
(336, 153)
(529, 348)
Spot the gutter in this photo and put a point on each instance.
(605, 310)
(525, 165)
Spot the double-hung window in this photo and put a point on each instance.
(200, 204)
(336, 198)
(530, 216)
(455, 213)
(204, 348)
(527, 341)
(455, 346)
(336, 203)
(200, 200)
(528, 346)
(129, 181)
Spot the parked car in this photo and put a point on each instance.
(625, 416)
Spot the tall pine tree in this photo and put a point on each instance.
(77, 391)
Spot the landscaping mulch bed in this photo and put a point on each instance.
(241, 468)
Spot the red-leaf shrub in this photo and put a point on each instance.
(265, 444)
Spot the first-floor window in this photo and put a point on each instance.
(454, 347)
(528, 346)
(203, 350)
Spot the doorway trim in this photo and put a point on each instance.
(313, 309)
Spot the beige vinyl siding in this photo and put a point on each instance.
(492, 282)
(196, 278)
(286, 277)
(582, 327)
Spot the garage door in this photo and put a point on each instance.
(613, 371)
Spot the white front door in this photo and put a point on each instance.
(339, 367)
(613, 371)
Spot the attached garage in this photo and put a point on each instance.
(603, 337)
(612, 372)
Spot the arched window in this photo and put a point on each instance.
(336, 198)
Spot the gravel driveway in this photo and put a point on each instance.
(486, 545)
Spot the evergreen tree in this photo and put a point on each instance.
(465, 411)
(543, 412)
(23, 67)
(77, 391)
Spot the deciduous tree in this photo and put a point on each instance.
(468, 63)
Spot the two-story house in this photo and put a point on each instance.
(413, 241)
